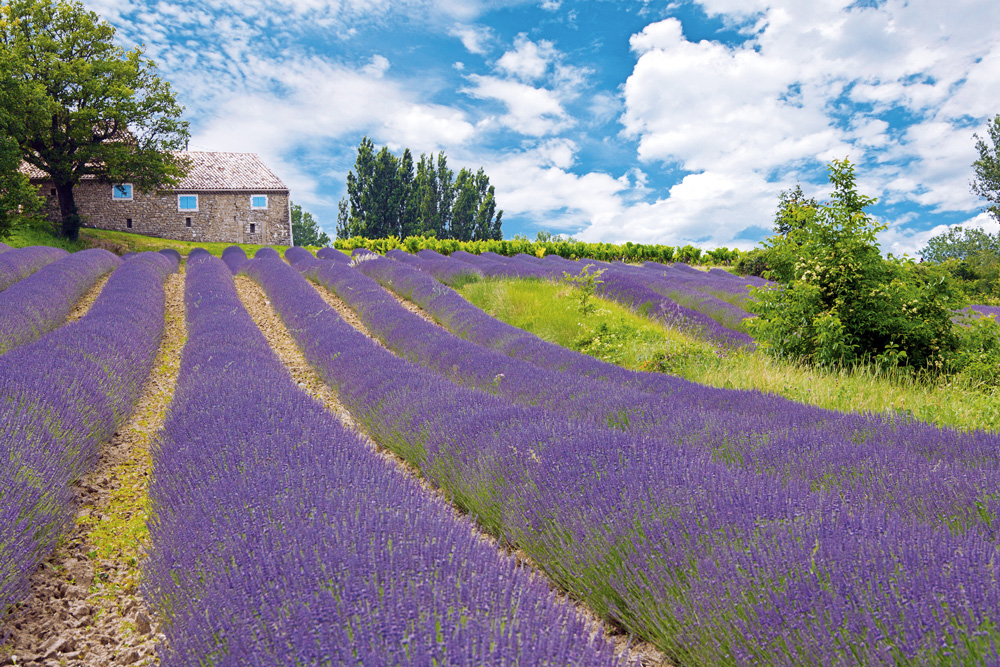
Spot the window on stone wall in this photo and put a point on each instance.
(128, 223)
(187, 222)
(121, 191)
(253, 228)
(187, 202)
(258, 201)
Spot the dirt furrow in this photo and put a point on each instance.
(85, 608)
(87, 300)
(281, 341)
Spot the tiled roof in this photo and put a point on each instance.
(229, 171)
(214, 171)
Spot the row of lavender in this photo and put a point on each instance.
(64, 395)
(40, 302)
(759, 432)
(279, 538)
(707, 303)
(16, 264)
(715, 561)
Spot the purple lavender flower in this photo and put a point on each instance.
(16, 264)
(41, 302)
(742, 528)
(64, 395)
(235, 257)
(280, 538)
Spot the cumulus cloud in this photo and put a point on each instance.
(528, 60)
(812, 82)
(531, 111)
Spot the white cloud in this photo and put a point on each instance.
(531, 111)
(475, 39)
(900, 240)
(810, 84)
(706, 209)
(528, 60)
(536, 185)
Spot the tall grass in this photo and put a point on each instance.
(618, 335)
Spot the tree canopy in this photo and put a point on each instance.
(86, 106)
(18, 199)
(305, 229)
(393, 196)
(987, 168)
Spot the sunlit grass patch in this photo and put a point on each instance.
(617, 335)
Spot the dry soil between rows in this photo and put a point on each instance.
(84, 609)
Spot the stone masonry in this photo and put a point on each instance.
(224, 184)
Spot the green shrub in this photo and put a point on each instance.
(977, 362)
(844, 303)
(586, 284)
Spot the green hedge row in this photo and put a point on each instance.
(629, 252)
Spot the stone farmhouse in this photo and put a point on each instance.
(226, 197)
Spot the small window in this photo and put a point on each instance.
(121, 191)
(253, 228)
(187, 202)
(258, 201)
(128, 223)
(187, 222)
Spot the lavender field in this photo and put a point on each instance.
(479, 496)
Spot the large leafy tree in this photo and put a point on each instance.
(305, 229)
(89, 108)
(987, 168)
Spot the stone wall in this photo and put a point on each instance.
(222, 216)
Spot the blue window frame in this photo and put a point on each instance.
(258, 201)
(121, 191)
(187, 202)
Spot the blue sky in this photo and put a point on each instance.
(665, 122)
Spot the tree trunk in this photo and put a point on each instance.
(67, 209)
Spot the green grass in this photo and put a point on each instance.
(617, 335)
(41, 234)
(118, 242)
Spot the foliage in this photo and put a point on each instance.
(971, 256)
(795, 210)
(987, 168)
(545, 236)
(85, 106)
(390, 196)
(754, 262)
(19, 201)
(846, 304)
(305, 229)
(585, 283)
(978, 358)
(606, 252)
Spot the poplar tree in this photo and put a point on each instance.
(387, 196)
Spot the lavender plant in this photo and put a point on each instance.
(279, 538)
(41, 302)
(721, 546)
(63, 396)
(16, 264)
(235, 258)
(333, 254)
